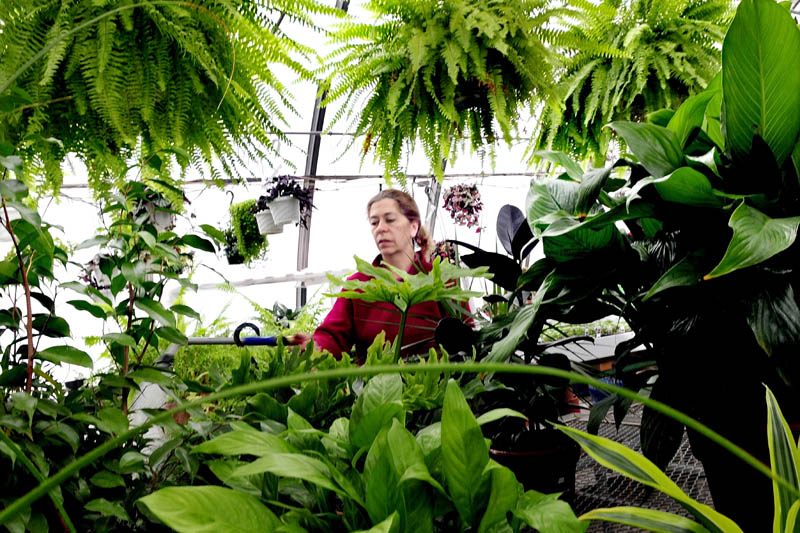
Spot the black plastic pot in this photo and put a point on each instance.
(547, 465)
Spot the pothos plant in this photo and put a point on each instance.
(439, 73)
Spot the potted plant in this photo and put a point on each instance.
(266, 222)
(250, 242)
(158, 209)
(463, 202)
(440, 72)
(705, 272)
(287, 200)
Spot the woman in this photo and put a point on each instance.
(396, 228)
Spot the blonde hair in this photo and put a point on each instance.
(410, 210)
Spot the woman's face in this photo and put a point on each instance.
(392, 231)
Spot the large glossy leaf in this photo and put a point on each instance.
(591, 184)
(773, 317)
(503, 495)
(549, 198)
(547, 514)
(582, 242)
(155, 311)
(292, 465)
(464, 455)
(390, 525)
(65, 354)
(646, 519)
(687, 186)
(523, 320)
(617, 457)
(380, 402)
(756, 238)
(509, 220)
(244, 442)
(692, 112)
(656, 148)
(107, 508)
(504, 270)
(761, 82)
(785, 461)
(686, 272)
(560, 159)
(209, 510)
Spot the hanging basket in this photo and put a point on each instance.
(285, 209)
(266, 223)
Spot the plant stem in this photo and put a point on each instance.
(126, 349)
(400, 332)
(29, 322)
(340, 373)
(38, 475)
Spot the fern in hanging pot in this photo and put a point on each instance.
(440, 72)
(463, 202)
(250, 242)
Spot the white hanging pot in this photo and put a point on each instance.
(266, 223)
(285, 209)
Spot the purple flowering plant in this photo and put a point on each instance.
(463, 202)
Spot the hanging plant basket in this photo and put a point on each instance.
(266, 223)
(464, 204)
(285, 209)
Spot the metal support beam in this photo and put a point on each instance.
(312, 157)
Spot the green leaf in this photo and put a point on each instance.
(772, 315)
(761, 84)
(107, 480)
(99, 240)
(199, 243)
(224, 468)
(390, 525)
(295, 466)
(131, 462)
(107, 508)
(756, 238)
(784, 460)
(213, 232)
(172, 335)
(51, 326)
(380, 402)
(151, 375)
(244, 442)
(687, 186)
(134, 273)
(465, 454)
(656, 148)
(497, 414)
(503, 496)
(560, 159)
(547, 514)
(113, 420)
(120, 338)
(210, 509)
(155, 311)
(646, 519)
(185, 310)
(617, 457)
(686, 272)
(94, 310)
(13, 189)
(65, 354)
(691, 114)
(148, 238)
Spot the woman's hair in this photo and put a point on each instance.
(409, 208)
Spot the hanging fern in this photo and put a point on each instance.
(625, 59)
(439, 71)
(193, 78)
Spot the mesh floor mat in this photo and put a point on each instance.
(597, 486)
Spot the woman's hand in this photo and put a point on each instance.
(299, 339)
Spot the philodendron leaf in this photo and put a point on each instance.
(380, 402)
(503, 495)
(547, 514)
(761, 84)
(692, 112)
(784, 459)
(465, 455)
(627, 462)
(560, 159)
(686, 272)
(688, 186)
(244, 442)
(756, 238)
(295, 466)
(209, 510)
(656, 148)
(646, 519)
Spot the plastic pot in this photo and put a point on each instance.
(285, 209)
(266, 223)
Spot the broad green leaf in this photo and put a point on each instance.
(617, 457)
(772, 315)
(503, 348)
(94, 310)
(464, 455)
(390, 525)
(784, 459)
(497, 414)
(99, 240)
(151, 375)
(692, 113)
(380, 402)
(113, 420)
(550, 198)
(131, 462)
(120, 338)
(134, 273)
(13, 189)
(224, 468)
(199, 243)
(761, 84)
(656, 148)
(213, 232)
(107, 480)
(155, 311)
(185, 310)
(172, 335)
(244, 442)
(50, 325)
(295, 466)
(756, 238)
(210, 509)
(148, 238)
(581, 243)
(503, 495)
(65, 354)
(646, 519)
(560, 159)
(107, 508)
(686, 272)
(591, 184)
(688, 186)
(547, 514)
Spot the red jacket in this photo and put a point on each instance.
(355, 322)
